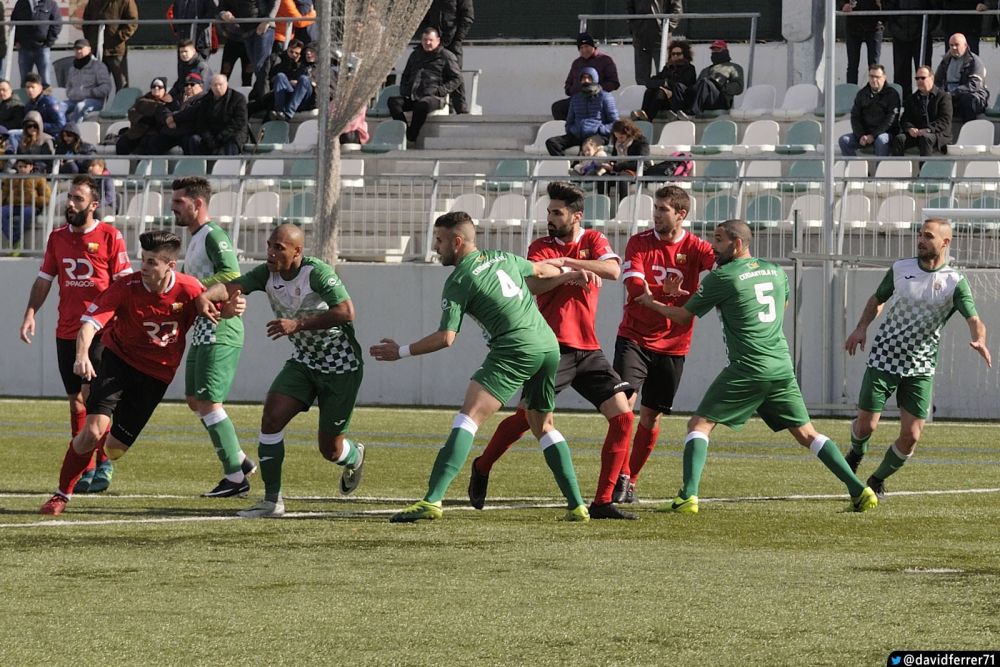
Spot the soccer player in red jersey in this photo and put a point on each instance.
(650, 350)
(143, 346)
(82, 258)
(570, 311)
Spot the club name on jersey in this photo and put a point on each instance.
(486, 265)
(759, 273)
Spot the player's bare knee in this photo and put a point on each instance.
(331, 446)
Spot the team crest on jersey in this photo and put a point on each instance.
(176, 306)
(681, 258)
(754, 264)
(938, 286)
(93, 247)
(445, 304)
(585, 254)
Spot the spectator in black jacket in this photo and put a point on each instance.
(626, 139)
(926, 121)
(874, 116)
(220, 121)
(962, 75)
(68, 142)
(666, 90)
(140, 138)
(969, 25)
(860, 30)
(648, 33)
(453, 20)
(430, 76)
(186, 11)
(11, 109)
(32, 42)
(188, 61)
(905, 33)
(295, 90)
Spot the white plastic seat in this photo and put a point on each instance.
(855, 172)
(549, 129)
(761, 169)
(760, 136)
(840, 128)
(629, 99)
(976, 136)
(897, 212)
(756, 102)
(223, 207)
(509, 208)
(228, 167)
(306, 136)
(979, 177)
(557, 170)
(540, 209)
(352, 173)
(262, 208)
(638, 207)
(854, 211)
(90, 132)
(890, 177)
(676, 136)
(140, 209)
(264, 174)
(810, 211)
(799, 100)
(472, 203)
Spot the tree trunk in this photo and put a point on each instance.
(329, 201)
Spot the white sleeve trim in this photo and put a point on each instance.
(633, 274)
(87, 319)
(126, 271)
(45, 276)
(609, 255)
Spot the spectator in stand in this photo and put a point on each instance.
(648, 33)
(34, 141)
(140, 137)
(69, 143)
(926, 121)
(188, 62)
(220, 121)
(88, 83)
(626, 139)
(969, 25)
(119, 17)
(285, 62)
(590, 57)
(5, 149)
(22, 198)
(233, 35)
(874, 116)
(453, 20)
(962, 75)
(430, 76)
(11, 109)
(717, 84)
(186, 25)
(666, 90)
(591, 111)
(48, 106)
(32, 42)
(295, 90)
(290, 9)
(258, 38)
(3, 37)
(167, 137)
(905, 33)
(860, 30)
(356, 132)
(98, 169)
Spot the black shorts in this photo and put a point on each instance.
(66, 357)
(657, 375)
(590, 374)
(126, 395)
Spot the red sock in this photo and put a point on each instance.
(613, 455)
(73, 466)
(77, 420)
(508, 432)
(642, 447)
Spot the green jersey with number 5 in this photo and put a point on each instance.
(488, 285)
(751, 295)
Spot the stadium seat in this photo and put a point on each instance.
(596, 210)
(719, 137)
(760, 136)
(352, 173)
(548, 129)
(854, 211)
(307, 136)
(381, 107)
(764, 212)
(155, 170)
(300, 209)
(890, 177)
(141, 209)
(714, 172)
(756, 102)
(976, 136)
(810, 210)
(264, 174)
(189, 167)
(983, 225)
(994, 111)
(390, 135)
(803, 175)
(508, 175)
(979, 177)
(262, 208)
(90, 132)
(224, 207)
(115, 128)
(853, 174)
(628, 99)
(761, 169)
(472, 203)
(635, 209)
(799, 100)
(843, 100)
(897, 212)
(119, 106)
(804, 136)
(935, 177)
(507, 210)
(539, 210)
(676, 137)
(718, 209)
(228, 170)
(273, 136)
(301, 174)
(21, 94)
(551, 170)
(647, 130)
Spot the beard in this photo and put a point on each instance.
(78, 219)
(723, 257)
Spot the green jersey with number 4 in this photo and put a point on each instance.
(751, 295)
(489, 286)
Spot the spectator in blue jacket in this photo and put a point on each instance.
(49, 107)
(32, 42)
(591, 111)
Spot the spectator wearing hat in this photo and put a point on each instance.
(188, 62)
(647, 34)
(665, 91)
(592, 111)
(590, 56)
(119, 18)
(168, 137)
(21, 199)
(49, 107)
(69, 143)
(33, 42)
(219, 118)
(88, 83)
(717, 84)
(140, 136)
(11, 108)
(35, 141)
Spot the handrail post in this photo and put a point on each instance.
(753, 48)
(431, 210)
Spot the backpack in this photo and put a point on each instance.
(679, 166)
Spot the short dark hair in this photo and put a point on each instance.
(194, 187)
(88, 181)
(31, 78)
(677, 198)
(161, 240)
(185, 42)
(876, 66)
(459, 223)
(567, 193)
(431, 28)
(295, 44)
(737, 229)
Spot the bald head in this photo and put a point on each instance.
(220, 85)
(942, 226)
(289, 234)
(958, 45)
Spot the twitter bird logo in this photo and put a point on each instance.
(895, 660)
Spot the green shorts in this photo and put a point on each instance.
(209, 371)
(732, 399)
(504, 371)
(913, 394)
(334, 393)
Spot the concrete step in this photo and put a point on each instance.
(462, 132)
(381, 202)
(479, 142)
(391, 249)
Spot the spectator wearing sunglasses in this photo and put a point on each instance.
(926, 122)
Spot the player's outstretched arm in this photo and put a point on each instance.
(680, 316)
(82, 365)
(607, 269)
(977, 330)
(220, 292)
(858, 337)
(39, 292)
(390, 350)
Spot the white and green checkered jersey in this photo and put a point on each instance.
(919, 303)
(488, 286)
(751, 296)
(211, 258)
(313, 291)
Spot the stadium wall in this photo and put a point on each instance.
(401, 302)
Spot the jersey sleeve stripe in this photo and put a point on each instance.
(123, 272)
(609, 255)
(87, 319)
(634, 274)
(45, 276)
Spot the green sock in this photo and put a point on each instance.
(226, 443)
(561, 464)
(892, 462)
(859, 445)
(449, 461)
(695, 453)
(831, 457)
(351, 455)
(271, 456)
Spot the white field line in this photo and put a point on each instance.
(507, 504)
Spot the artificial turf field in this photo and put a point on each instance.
(773, 571)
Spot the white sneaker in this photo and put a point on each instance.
(264, 509)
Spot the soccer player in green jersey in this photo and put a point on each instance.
(215, 349)
(311, 306)
(922, 292)
(494, 288)
(751, 296)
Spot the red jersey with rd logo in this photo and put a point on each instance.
(85, 264)
(650, 259)
(150, 329)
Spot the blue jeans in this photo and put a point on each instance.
(36, 58)
(288, 98)
(849, 144)
(77, 111)
(259, 52)
(11, 227)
